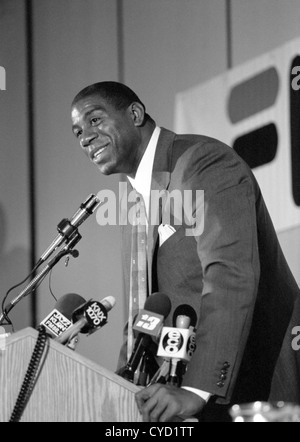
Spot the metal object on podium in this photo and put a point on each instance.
(265, 412)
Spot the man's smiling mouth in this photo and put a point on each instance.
(97, 154)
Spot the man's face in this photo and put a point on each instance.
(109, 137)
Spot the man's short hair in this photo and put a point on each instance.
(114, 93)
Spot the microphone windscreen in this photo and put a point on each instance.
(158, 303)
(108, 302)
(68, 303)
(185, 310)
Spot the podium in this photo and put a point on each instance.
(69, 388)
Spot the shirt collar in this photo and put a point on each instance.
(142, 180)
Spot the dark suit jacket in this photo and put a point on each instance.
(286, 379)
(234, 274)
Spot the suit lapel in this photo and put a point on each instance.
(126, 234)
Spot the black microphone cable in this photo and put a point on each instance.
(31, 375)
(3, 308)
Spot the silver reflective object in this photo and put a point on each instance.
(265, 412)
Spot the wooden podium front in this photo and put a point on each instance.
(70, 388)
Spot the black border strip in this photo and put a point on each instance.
(228, 34)
(120, 41)
(31, 146)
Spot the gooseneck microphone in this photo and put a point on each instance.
(68, 234)
(87, 318)
(67, 228)
(149, 324)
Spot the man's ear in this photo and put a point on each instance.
(138, 113)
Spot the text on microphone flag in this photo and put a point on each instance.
(56, 323)
(96, 314)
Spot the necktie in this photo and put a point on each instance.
(138, 269)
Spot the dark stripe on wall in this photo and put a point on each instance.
(253, 95)
(259, 146)
(120, 49)
(120, 41)
(229, 34)
(295, 127)
(31, 147)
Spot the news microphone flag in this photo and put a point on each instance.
(179, 343)
(149, 322)
(88, 318)
(60, 319)
(95, 313)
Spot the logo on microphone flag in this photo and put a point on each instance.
(96, 314)
(177, 343)
(56, 323)
(149, 323)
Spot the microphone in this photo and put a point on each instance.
(66, 228)
(87, 318)
(149, 324)
(60, 319)
(143, 371)
(177, 344)
(185, 310)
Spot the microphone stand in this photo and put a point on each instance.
(67, 250)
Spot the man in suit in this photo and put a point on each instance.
(231, 270)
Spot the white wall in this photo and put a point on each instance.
(171, 45)
(14, 190)
(259, 26)
(75, 45)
